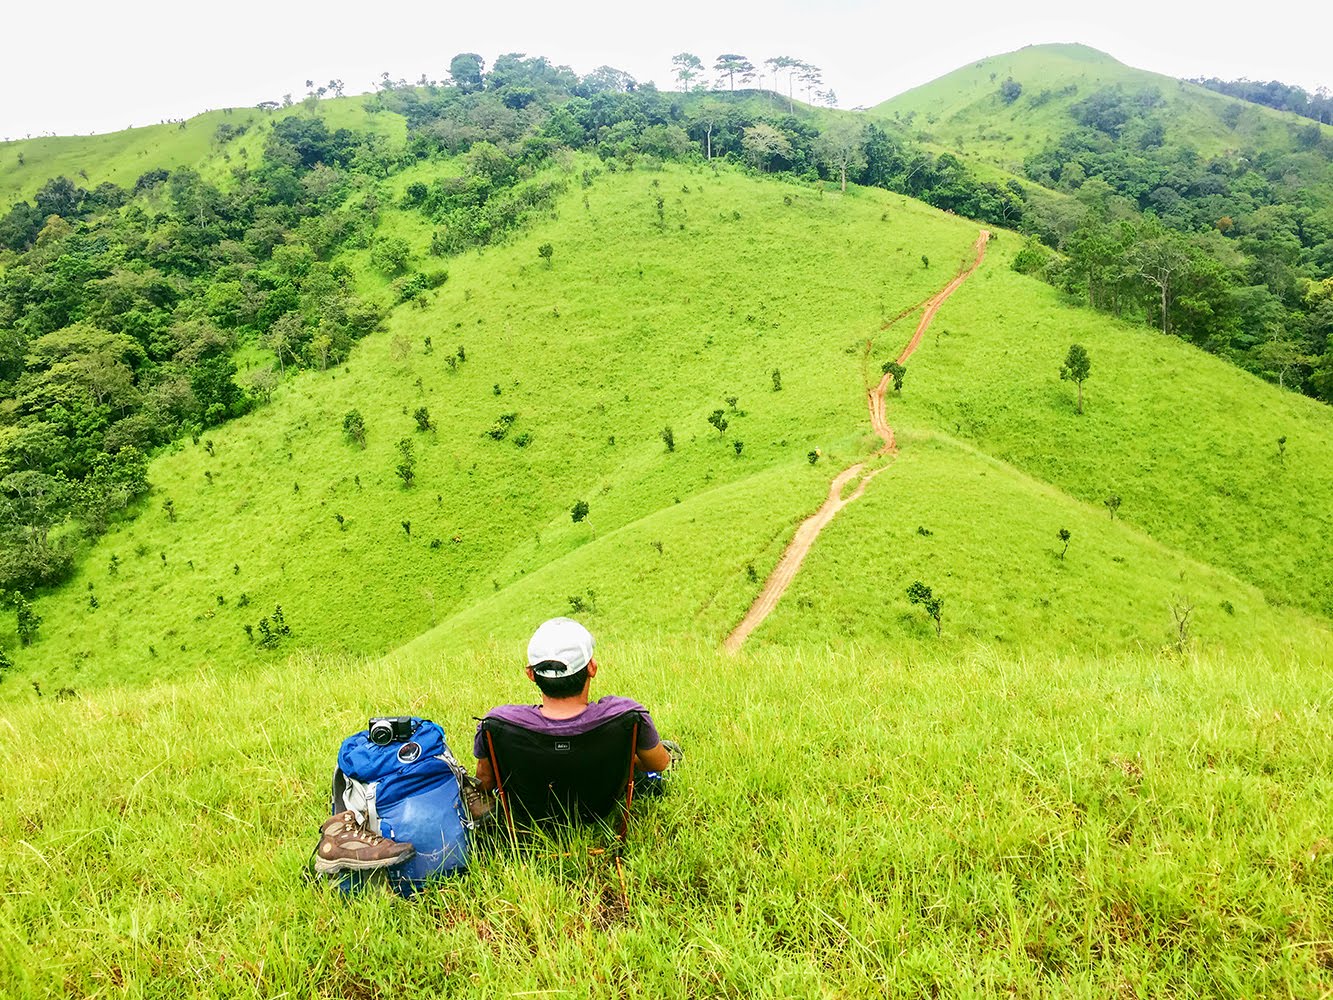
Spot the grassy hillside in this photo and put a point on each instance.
(846, 823)
(595, 355)
(964, 110)
(121, 157)
(657, 326)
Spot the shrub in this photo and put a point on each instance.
(422, 416)
(354, 426)
(919, 593)
(407, 464)
(669, 438)
(719, 421)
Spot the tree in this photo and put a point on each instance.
(580, 513)
(731, 65)
(790, 66)
(1112, 502)
(1159, 260)
(709, 115)
(841, 149)
(285, 338)
(354, 426)
(1076, 369)
(812, 76)
(28, 620)
(719, 421)
(669, 438)
(919, 593)
(763, 144)
(1010, 90)
(390, 255)
(546, 252)
(407, 464)
(896, 370)
(688, 66)
(465, 71)
(1064, 536)
(422, 416)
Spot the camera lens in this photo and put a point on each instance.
(381, 732)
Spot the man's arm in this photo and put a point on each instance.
(485, 776)
(656, 759)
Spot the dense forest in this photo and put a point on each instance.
(123, 311)
(1279, 96)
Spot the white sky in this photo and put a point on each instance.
(81, 66)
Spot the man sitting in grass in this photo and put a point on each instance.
(560, 663)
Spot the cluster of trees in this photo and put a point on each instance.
(1280, 96)
(1231, 252)
(689, 72)
(120, 311)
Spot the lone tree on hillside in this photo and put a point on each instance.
(1064, 536)
(669, 438)
(919, 593)
(1076, 369)
(1112, 502)
(580, 513)
(897, 371)
(719, 421)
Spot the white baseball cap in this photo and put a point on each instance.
(561, 646)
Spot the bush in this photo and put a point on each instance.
(354, 426)
(407, 465)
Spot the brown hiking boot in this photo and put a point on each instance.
(346, 845)
(480, 803)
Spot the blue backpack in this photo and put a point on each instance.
(410, 793)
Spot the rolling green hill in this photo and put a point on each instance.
(964, 110)
(121, 157)
(656, 327)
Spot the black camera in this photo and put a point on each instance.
(390, 729)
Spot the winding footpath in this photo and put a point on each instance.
(808, 530)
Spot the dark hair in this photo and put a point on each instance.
(559, 687)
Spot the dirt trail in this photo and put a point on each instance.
(808, 530)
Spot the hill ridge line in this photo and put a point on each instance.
(808, 530)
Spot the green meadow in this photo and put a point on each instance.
(850, 822)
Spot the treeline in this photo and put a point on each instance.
(524, 109)
(1280, 96)
(1231, 252)
(120, 311)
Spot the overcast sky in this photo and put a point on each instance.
(79, 66)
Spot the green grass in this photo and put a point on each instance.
(1188, 441)
(847, 823)
(991, 551)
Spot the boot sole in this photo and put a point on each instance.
(356, 865)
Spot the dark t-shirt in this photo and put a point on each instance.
(530, 717)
